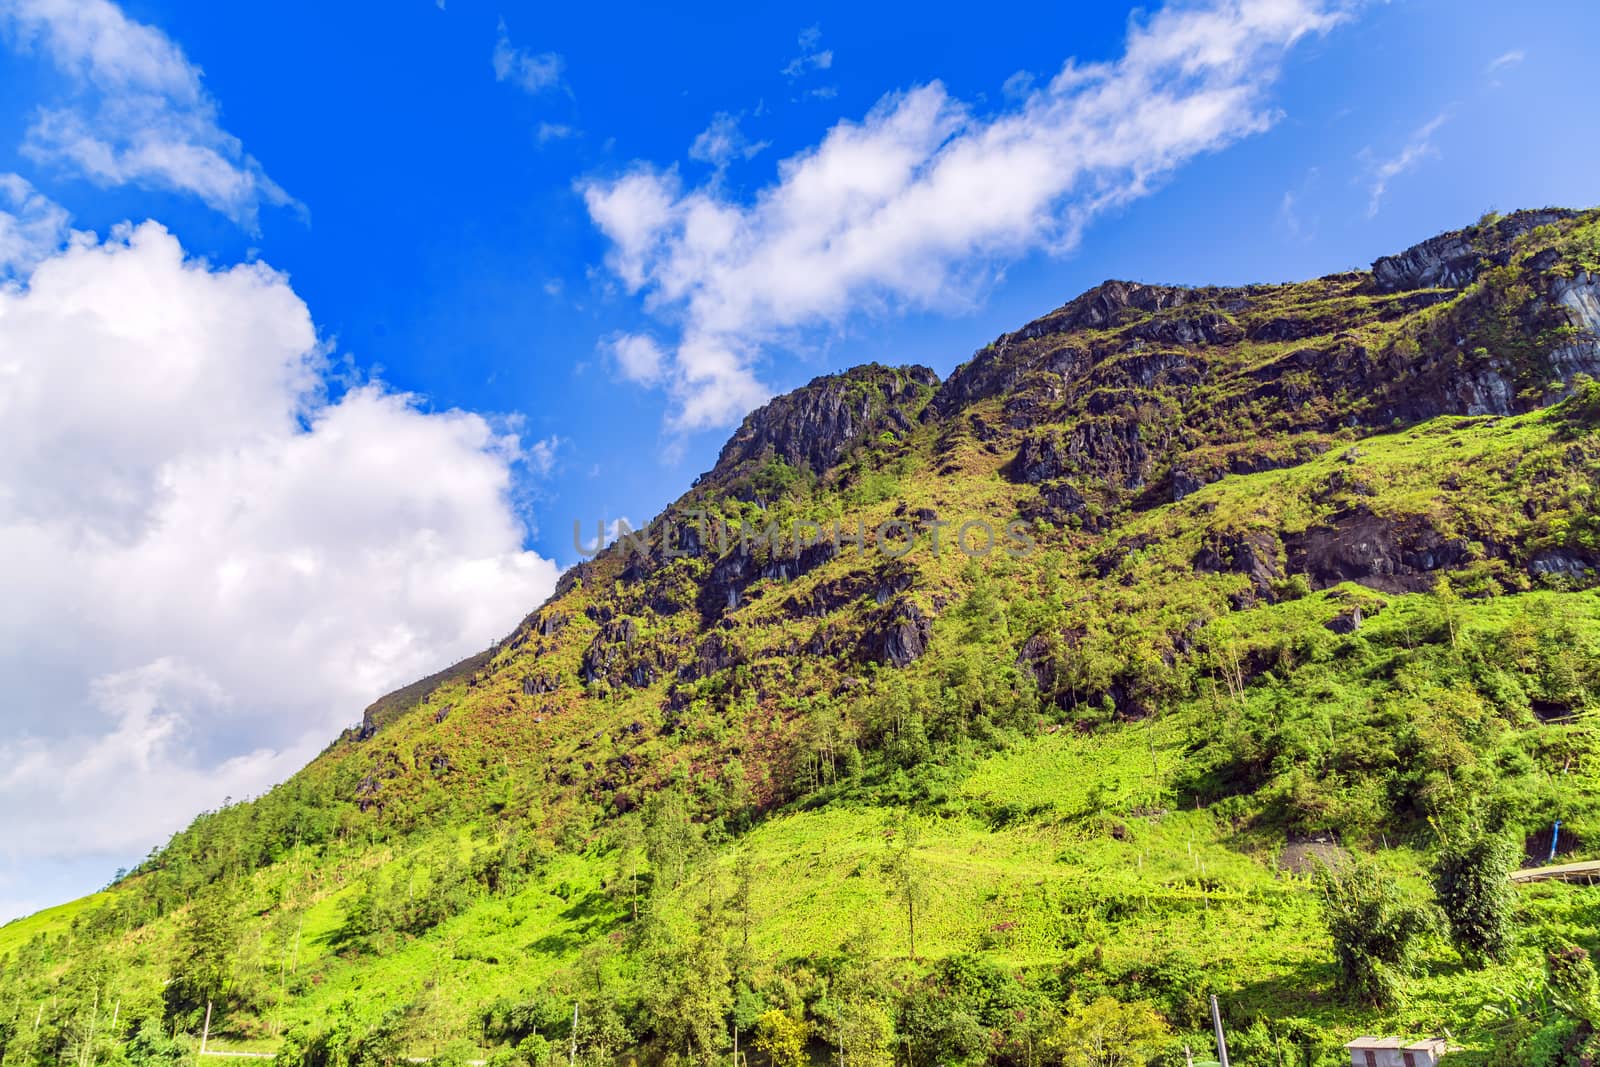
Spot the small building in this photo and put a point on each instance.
(1395, 1052)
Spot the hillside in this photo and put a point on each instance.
(941, 722)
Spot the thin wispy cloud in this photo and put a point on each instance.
(924, 200)
(553, 131)
(138, 113)
(32, 227)
(1506, 59)
(1384, 171)
(532, 72)
(722, 142)
(540, 456)
(812, 57)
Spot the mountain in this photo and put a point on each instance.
(1184, 641)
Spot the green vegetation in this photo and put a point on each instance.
(1302, 659)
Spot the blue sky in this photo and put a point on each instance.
(530, 264)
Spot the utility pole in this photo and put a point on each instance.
(1216, 1022)
(205, 1034)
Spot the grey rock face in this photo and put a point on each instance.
(1561, 564)
(1184, 483)
(816, 427)
(1444, 262)
(1486, 393)
(900, 634)
(1579, 297)
(1451, 260)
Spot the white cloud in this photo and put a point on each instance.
(219, 565)
(919, 202)
(1506, 59)
(722, 142)
(638, 358)
(811, 56)
(1384, 171)
(541, 455)
(1293, 219)
(553, 131)
(1018, 86)
(32, 226)
(139, 114)
(529, 71)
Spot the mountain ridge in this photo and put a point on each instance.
(803, 427)
(1071, 659)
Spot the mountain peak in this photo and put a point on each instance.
(816, 426)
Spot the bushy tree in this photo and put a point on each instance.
(1471, 884)
(150, 1046)
(781, 1038)
(1374, 927)
(203, 963)
(1108, 1033)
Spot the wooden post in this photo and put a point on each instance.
(1216, 1022)
(205, 1035)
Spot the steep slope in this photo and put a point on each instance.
(1066, 668)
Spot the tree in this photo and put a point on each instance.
(151, 1047)
(906, 877)
(743, 913)
(1471, 884)
(690, 993)
(630, 854)
(1108, 1033)
(1374, 927)
(672, 842)
(781, 1038)
(203, 964)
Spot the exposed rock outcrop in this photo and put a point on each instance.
(818, 425)
(1452, 260)
(898, 635)
(1358, 546)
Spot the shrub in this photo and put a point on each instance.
(1374, 927)
(1470, 883)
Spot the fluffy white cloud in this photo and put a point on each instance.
(638, 358)
(529, 71)
(140, 114)
(914, 205)
(214, 565)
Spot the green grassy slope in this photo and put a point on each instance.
(1310, 580)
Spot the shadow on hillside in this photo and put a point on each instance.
(587, 917)
(1300, 989)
